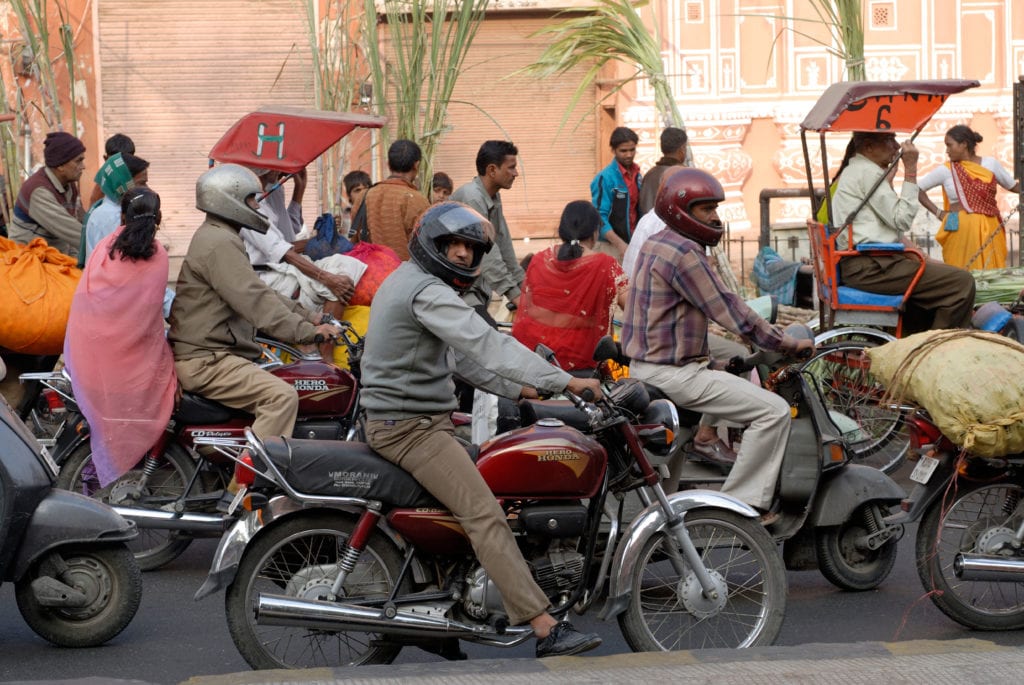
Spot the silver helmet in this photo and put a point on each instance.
(229, 192)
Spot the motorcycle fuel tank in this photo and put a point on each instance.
(543, 461)
(324, 389)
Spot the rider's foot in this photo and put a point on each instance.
(769, 518)
(716, 452)
(564, 640)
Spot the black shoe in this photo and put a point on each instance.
(564, 640)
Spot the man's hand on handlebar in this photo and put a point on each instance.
(579, 386)
(326, 331)
(804, 349)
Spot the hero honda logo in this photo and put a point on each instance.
(316, 389)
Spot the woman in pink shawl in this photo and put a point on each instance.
(121, 367)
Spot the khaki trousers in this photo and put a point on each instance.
(241, 384)
(426, 447)
(725, 396)
(945, 291)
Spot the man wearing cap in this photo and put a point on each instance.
(48, 204)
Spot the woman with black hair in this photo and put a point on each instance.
(569, 291)
(115, 349)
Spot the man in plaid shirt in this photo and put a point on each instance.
(665, 333)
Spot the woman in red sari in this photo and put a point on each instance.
(569, 291)
(971, 235)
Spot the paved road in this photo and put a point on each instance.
(173, 638)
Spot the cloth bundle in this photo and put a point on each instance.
(37, 283)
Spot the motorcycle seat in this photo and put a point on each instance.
(197, 410)
(345, 469)
(531, 411)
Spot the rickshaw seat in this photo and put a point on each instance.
(842, 304)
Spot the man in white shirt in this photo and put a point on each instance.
(944, 293)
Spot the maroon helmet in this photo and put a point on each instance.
(680, 190)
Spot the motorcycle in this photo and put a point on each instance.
(177, 491)
(832, 511)
(344, 559)
(75, 581)
(970, 540)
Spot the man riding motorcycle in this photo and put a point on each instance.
(418, 320)
(220, 303)
(665, 333)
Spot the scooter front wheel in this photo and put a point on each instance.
(154, 547)
(668, 611)
(981, 520)
(109, 581)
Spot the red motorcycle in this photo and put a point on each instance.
(342, 557)
(177, 490)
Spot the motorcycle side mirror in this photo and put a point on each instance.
(606, 349)
(547, 354)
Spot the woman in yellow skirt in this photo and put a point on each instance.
(971, 235)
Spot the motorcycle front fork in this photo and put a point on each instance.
(690, 556)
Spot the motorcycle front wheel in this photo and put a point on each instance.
(299, 558)
(153, 547)
(670, 612)
(982, 519)
(108, 577)
(846, 562)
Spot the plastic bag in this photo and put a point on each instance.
(37, 284)
(326, 240)
(969, 381)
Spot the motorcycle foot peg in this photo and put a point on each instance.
(389, 610)
(501, 625)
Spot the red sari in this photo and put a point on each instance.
(567, 305)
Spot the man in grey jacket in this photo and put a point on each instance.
(500, 271)
(419, 330)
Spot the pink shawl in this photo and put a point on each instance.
(121, 366)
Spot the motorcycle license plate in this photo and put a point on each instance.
(925, 468)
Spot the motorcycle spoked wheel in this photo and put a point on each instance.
(851, 393)
(668, 612)
(980, 519)
(299, 558)
(153, 547)
(848, 565)
(110, 579)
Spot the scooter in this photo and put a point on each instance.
(833, 512)
(75, 581)
(345, 559)
(970, 540)
(177, 491)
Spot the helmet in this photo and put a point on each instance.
(224, 191)
(680, 190)
(436, 228)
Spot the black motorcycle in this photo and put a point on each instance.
(75, 581)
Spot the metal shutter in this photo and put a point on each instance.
(555, 166)
(175, 74)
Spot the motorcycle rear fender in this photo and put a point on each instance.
(67, 518)
(236, 539)
(852, 486)
(649, 522)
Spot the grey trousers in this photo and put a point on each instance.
(723, 395)
(426, 447)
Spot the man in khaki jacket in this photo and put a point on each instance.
(220, 303)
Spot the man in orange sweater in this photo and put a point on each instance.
(395, 204)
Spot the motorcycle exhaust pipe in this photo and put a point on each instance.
(279, 610)
(169, 520)
(986, 567)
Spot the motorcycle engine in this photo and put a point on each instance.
(557, 572)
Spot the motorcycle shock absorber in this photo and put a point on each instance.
(354, 548)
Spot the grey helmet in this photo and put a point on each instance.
(224, 192)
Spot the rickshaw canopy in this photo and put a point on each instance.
(286, 139)
(897, 106)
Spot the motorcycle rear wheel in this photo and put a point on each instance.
(111, 581)
(667, 612)
(848, 565)
(850, 392)
(153, 547)
(298, 558)
(975, 522)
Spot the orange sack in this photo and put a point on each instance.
(37, 283)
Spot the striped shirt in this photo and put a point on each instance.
(673, 293)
